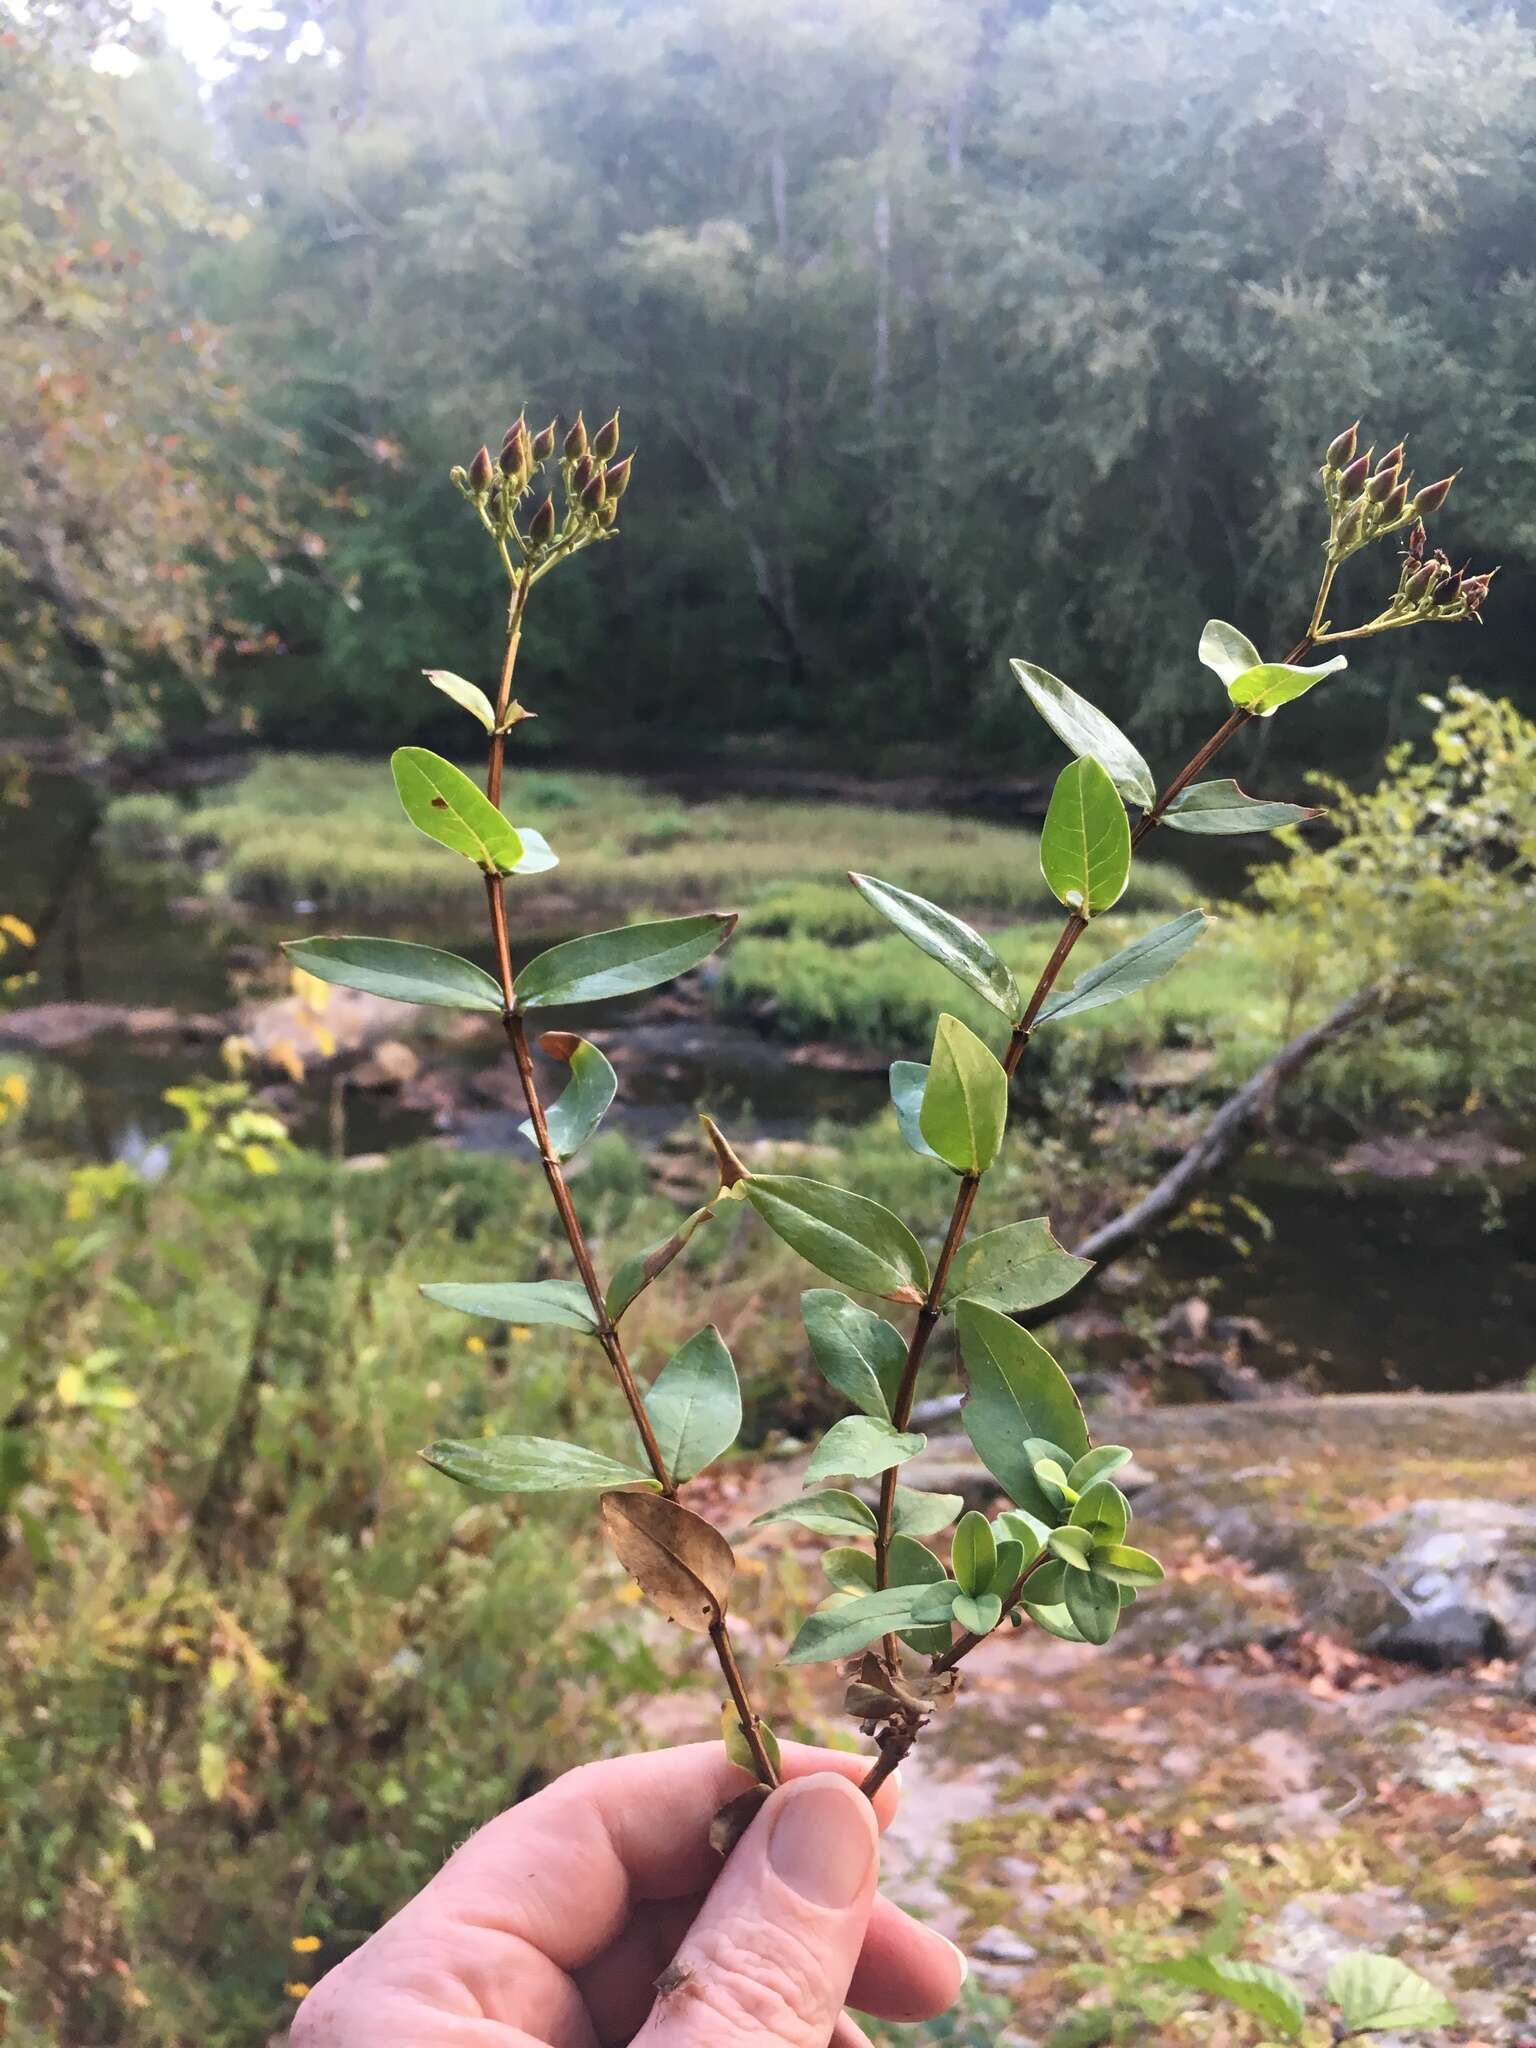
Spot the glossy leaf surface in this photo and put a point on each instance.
(621, 962)
(468, 696)
(947, 939)
(908, 1080)
(858, 1352)
(1144, 960)
(862, 1447)
(397, 969)
(694, 1404)
(1222, 807)
(924, 1514)
(853, 1625)
(585, 1099)
(530, 1464)
(561, 1303)
(844, 1235)
(965, 1101)
(829, 1512)
(441, 801)
(1088, 733)
(1085, 842)
(1020, 1266)
(1017, 1391)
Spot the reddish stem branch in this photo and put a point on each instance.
(560, 1193)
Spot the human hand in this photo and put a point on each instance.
(550, 1927)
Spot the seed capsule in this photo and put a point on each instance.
(608, 512)
(542, 525)
(1421, 582)
(1418, 540)
(605, 441)
(480, 470)
(594, 491)
(1449, 592)
(576, 441)
(1352, 479)
(544, 443)
(1342, 448)
(1395, 504)
(1351, 526)
(1433, 496)
(1381, 485)
(583, 473)
(618, 477)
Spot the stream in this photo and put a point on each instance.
(1359, 1282)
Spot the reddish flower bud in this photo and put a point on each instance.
(542, 525)
(583, 473)
(1450, 590)
(618, 477)
(1351, 526)
(1381, 485)
(1395, 504)
(608, 512)
(1474, 589)
(1422, 582)
(1342, 448)
(1352, 479)
(544, 443)
(594, 491)
(1418, 540)
(480, 470)
(1394, 456)
(576, 441)
(1433, 496)
(605, 441)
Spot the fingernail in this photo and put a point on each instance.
(823, 1841)
(963, 1958)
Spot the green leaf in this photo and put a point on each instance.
(1052, 1616)
(397, 969)
(441, 801)
(1017, 1267)
(849, 1569)
(1102, 1510)
(862, 1446)
(857, 1351)
(974, 1557)
(694, 1404)
(531, 1464)
(468, 696)
(1094, 1605)
(1087, 732)
(913, 1564)
(1011, 1560)
(1048, 1583)
(560, 1303)
(621, 962)
(853, 1625)
(1097, 1464)
(585, 1099)
(1377, 1993)
(637, 1273)
(844, 1235)
(965, 1102)
(924, 1514)
(946, 939)
(1223, 807)
(1073, 1546)
(978, 1612)
(1085, 842)
(1273, 683)
(1019, 1526)
(1253, 1987)
(1124, 1566)
(828, 1513)
(1017, 1391)
(538, 856)
(1144, 960)
(908, 1080)
(1230, 653)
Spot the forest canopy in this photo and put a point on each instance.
(943, 335)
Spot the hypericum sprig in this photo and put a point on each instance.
(592, 481)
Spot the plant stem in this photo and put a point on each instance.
(560, 1193)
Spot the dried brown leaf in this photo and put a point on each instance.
(682, 1565)
(734, 1818)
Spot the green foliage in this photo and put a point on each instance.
(588, 1096)
(965, 1100)
(1372, 1994)
(1085, 843)
(1135, 966)
(947, 939)
(857, 1351)
(619, 963)
(392, 967)
(562, 1304)
(530, 1464)
(441, 801)
(846, 1236)
(694, 1404)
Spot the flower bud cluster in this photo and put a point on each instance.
(592, 480)
(1429, 588)
(1368, 499)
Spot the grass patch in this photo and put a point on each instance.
(330, 830)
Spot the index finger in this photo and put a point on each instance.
(564, 1870)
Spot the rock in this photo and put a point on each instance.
(390, 1065)
(1430, 1155)
(53, 1027)
(1465, 1579)
(1002, 1945)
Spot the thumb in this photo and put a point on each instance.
(768, 1961)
